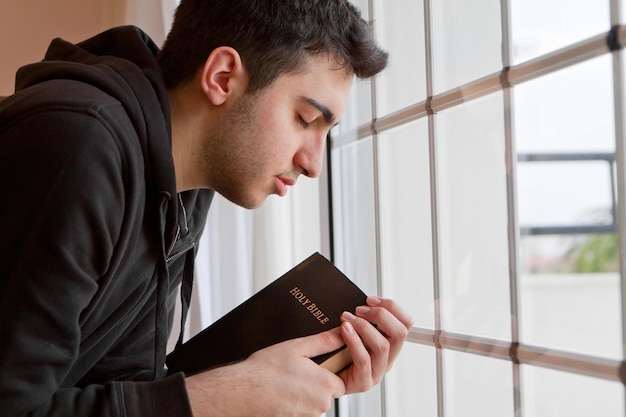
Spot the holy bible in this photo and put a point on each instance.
(306, 300)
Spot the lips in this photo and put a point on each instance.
(282, 184)
(287, 181)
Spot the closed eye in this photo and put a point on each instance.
(303, 122)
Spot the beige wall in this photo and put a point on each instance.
(27, 26)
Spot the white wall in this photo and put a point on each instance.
(27, 26)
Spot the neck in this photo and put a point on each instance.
(186, 134)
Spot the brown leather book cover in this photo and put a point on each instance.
(306, 300)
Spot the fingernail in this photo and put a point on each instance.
(363, 310)
(349, 316)
(348, 328)
(374, 300)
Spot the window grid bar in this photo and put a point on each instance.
(434, 199)
(377, 204)
(620, 157)
(376, 170)
(432, 166)
(520, 353)
(615, 12)
(513, 237)
(545, 64)
(434, 210)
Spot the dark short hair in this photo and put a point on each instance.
(272, 37)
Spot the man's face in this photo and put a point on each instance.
(267, 139)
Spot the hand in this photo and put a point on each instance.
(278, 381)
(373, 349)
(281, 380)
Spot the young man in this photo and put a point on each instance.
(110, 152)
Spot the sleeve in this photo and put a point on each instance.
(63, 189)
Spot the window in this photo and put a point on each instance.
(479, 181)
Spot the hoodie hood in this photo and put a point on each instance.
(92, 243)
(122, 63)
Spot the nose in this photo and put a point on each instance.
(311, 155)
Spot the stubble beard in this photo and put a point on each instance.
(229, 154)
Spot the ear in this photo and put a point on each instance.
(223, 75)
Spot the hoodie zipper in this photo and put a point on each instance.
(170, 256)
(181, 252)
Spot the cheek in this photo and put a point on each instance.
(276, 132)
(280, 139)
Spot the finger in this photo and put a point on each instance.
(320, 343)
(394, 308)
(291, 358)
(386, 323)
(393, 328)
(376, 343)
(358, 377)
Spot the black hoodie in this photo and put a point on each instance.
(94, 239)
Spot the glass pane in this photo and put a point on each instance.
(570, 110)
(411, 385)
(353, 211)
(477, 386)
(549, 393)
(569, 253)
(573, 312)
(473, 218)
(564, 193)
(405, 224)
(358, 107)
(467, 41)
(362, 5)
(542, 26)
(569, 281)
(367, 404)
(404, 82)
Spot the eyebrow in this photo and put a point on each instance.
(329, 116)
